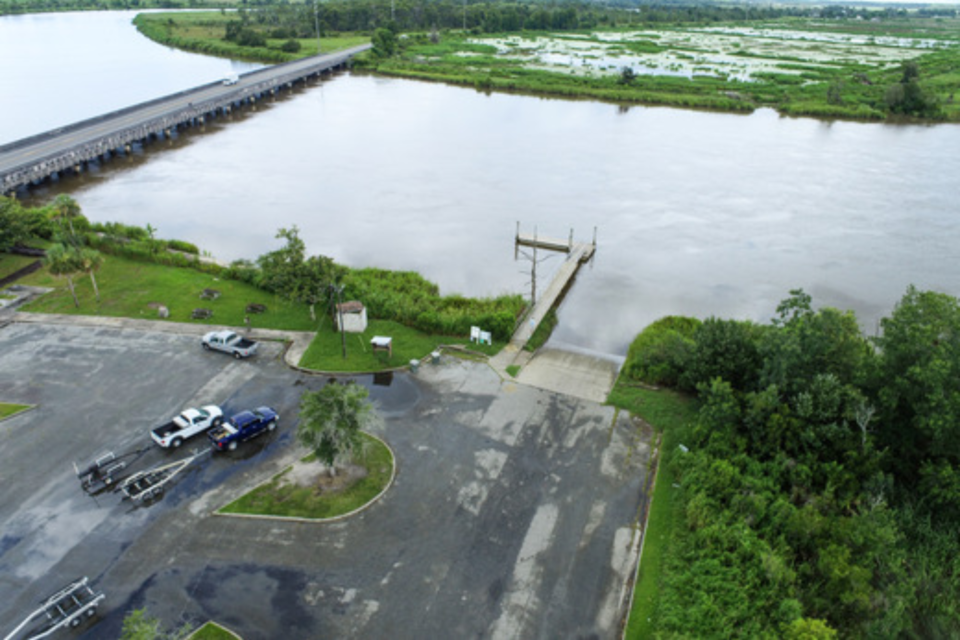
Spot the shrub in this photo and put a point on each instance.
(660, 353)
(181, 245)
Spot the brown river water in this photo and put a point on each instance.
(696, 213)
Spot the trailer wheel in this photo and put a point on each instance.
(75, 622)
(92, 611)
(232, 446)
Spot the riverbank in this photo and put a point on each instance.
(800, 68)
(839, 69)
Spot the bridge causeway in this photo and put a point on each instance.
(31, 161)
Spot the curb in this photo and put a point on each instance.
(342, 516)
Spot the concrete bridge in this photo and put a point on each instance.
(35, 159)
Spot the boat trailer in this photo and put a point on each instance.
(145, 486)
(68, 607)
(104, 471)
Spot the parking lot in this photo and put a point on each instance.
(512, 515)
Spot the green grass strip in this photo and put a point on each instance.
(668, 412)
(213, 631)
(8, 409)
(326, 351)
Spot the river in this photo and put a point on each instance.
(696, 213)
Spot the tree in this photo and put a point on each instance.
(280, 268)
(291, 275)
(331, 420)
(14, 225)
(919, 395)
(384, 43)
(63, 261)
(140, 625)
(90, 261)
(66, 208)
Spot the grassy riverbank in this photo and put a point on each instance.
(799, 67)
(134, 289)
(837, 68)
(203, 32)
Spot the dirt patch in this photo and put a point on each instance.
(317, 475)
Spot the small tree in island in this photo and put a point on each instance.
(331, 420)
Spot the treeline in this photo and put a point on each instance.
(289, 272)
(14, 7)
(299, 20)
(254, 47)
(819, 486)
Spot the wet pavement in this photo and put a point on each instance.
(512, 514)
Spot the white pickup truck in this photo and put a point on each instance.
(229, 342)
(188, 424)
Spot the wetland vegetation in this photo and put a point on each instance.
(866, 64)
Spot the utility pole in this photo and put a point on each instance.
(343, 334)
(534, 261)
(316, 21)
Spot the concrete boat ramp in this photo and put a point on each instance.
(566, 370)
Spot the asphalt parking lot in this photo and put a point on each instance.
(512, 515)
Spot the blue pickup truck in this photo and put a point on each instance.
(243, 426)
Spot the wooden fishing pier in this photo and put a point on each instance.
(578, 253)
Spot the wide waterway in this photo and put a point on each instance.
(696, 213)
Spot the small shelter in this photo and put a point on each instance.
(354, 316)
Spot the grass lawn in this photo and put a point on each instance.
(668, 412)
(212, 631)
(127, 287)
(291, 500)
(11, 263)
(8, 409)
(326, 351)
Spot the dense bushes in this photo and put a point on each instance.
(818, 484)
(660, 353)
(408, 298)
